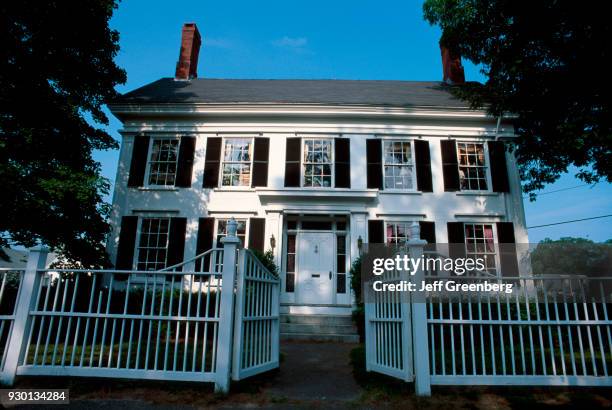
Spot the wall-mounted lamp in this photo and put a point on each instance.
(359, 243)
(272, 242)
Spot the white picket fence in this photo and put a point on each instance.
(166, 325)
(552, 330)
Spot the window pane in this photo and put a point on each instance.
(237, 162)
(162, 163)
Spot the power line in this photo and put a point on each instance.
(557, 190)
(567, 222)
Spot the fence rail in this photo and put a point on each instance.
(550, 330)
(174, 324)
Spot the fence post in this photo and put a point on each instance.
(26, 300)
(238, 316)
(420, 340)
(226, 322)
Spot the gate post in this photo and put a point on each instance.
(26, 301)
(420, 340)
(226, 315)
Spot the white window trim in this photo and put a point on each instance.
(148, 165)
(141, 218)
(394, 222)
(333, 162)
(487, 166)
(221, 162)
(495, 242)
(414, 180)
(227, 218)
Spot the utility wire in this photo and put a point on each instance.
(567, 222)
(557, 190)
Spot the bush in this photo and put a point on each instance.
(267, 259)
(359, 311)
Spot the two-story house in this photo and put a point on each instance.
(310, 169)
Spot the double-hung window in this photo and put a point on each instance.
(398, 165)
(397, 233)
(163, 157)
(480, 243)
(473, 172)
(222, 230)
(318, 162)
(152, 251)
(237, 162)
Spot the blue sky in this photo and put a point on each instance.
(320, 39)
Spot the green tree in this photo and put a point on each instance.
(545, 64)
(56, 72)
(572, 256)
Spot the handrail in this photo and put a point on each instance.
(190, 260)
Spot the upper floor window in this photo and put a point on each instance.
(237, 161)
(398, 165)
(472, 166)
(480, 243)
(222, 230)
(318, 162)
(162, 161)
(152, 250)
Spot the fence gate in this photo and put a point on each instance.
(387, 331)
(256, 320)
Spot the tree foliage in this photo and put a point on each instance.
(572, 256)
(56, 71)
(545, 64)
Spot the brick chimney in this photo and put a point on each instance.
(187, 65)
(452, 69)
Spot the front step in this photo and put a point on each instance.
(322, 328)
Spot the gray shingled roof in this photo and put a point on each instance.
(326, 92)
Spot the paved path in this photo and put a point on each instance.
(315, 371)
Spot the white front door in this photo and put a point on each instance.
(315, 267)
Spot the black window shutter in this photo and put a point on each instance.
(456, 239)
(342, 169)
(205, 239)
(176, 241)
(127, 243)
(292, 162)
(185, 162)
(507, 249)
(450, 170)
(257, 228)
(212, 162)
(499, 168)
(140, 150)
(260, 162)
(428, 231)
(423, 166)
(374, 164)
(376, 231)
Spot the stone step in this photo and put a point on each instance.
(339, 338)
(316, 319)
(317, 329)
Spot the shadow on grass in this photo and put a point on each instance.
(388, 392)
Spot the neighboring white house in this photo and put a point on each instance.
(310, 169)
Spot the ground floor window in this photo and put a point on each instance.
(152, 248)
(222, 230)
(480, 243)
(397, 233)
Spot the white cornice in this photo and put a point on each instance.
(203, 110)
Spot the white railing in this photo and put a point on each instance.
(551, 330)
(10, 280)
(173, 324)
(256, 329)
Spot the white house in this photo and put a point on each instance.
(310, 169)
